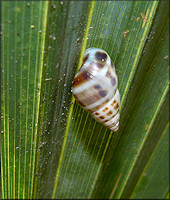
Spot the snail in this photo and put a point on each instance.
(95, 88)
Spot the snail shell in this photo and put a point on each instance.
(95, 88)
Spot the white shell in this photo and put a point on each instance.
(95, 88)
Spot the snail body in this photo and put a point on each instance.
(95, 88)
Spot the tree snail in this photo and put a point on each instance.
(95, 88)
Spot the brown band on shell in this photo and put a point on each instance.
(113, 102)
(97, 86)
(81, 104)
(101, 56)
(105, 109)
(90, 99)
(95, 66)
(99, 106)
(116, 106)
(101, 117)
(103, 93)
(115, 114)
(108, 74)
(85, 58)
(81, 78)
(111, 119)
(110, 126)
(112, 65)
(113, 81)
(109, 113)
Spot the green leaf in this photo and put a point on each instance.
(155, 174)
(50, 146)
(167, 197)
(23, 29)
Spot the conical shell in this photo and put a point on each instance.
(95, 88)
